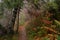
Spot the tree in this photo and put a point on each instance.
(15, 6)
(47, 11)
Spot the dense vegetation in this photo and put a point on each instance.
(44, 18)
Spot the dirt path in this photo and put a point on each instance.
(22, 32)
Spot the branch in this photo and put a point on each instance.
(50, 29)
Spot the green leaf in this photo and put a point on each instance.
(58, 38)
(12, 3)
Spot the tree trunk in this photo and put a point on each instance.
(11, 24)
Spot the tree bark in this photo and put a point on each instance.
(12, 21)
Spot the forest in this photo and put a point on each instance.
(29, 19)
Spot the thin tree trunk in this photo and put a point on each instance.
(11, 24)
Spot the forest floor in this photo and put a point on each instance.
(8, 37)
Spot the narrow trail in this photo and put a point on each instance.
(22, 31)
